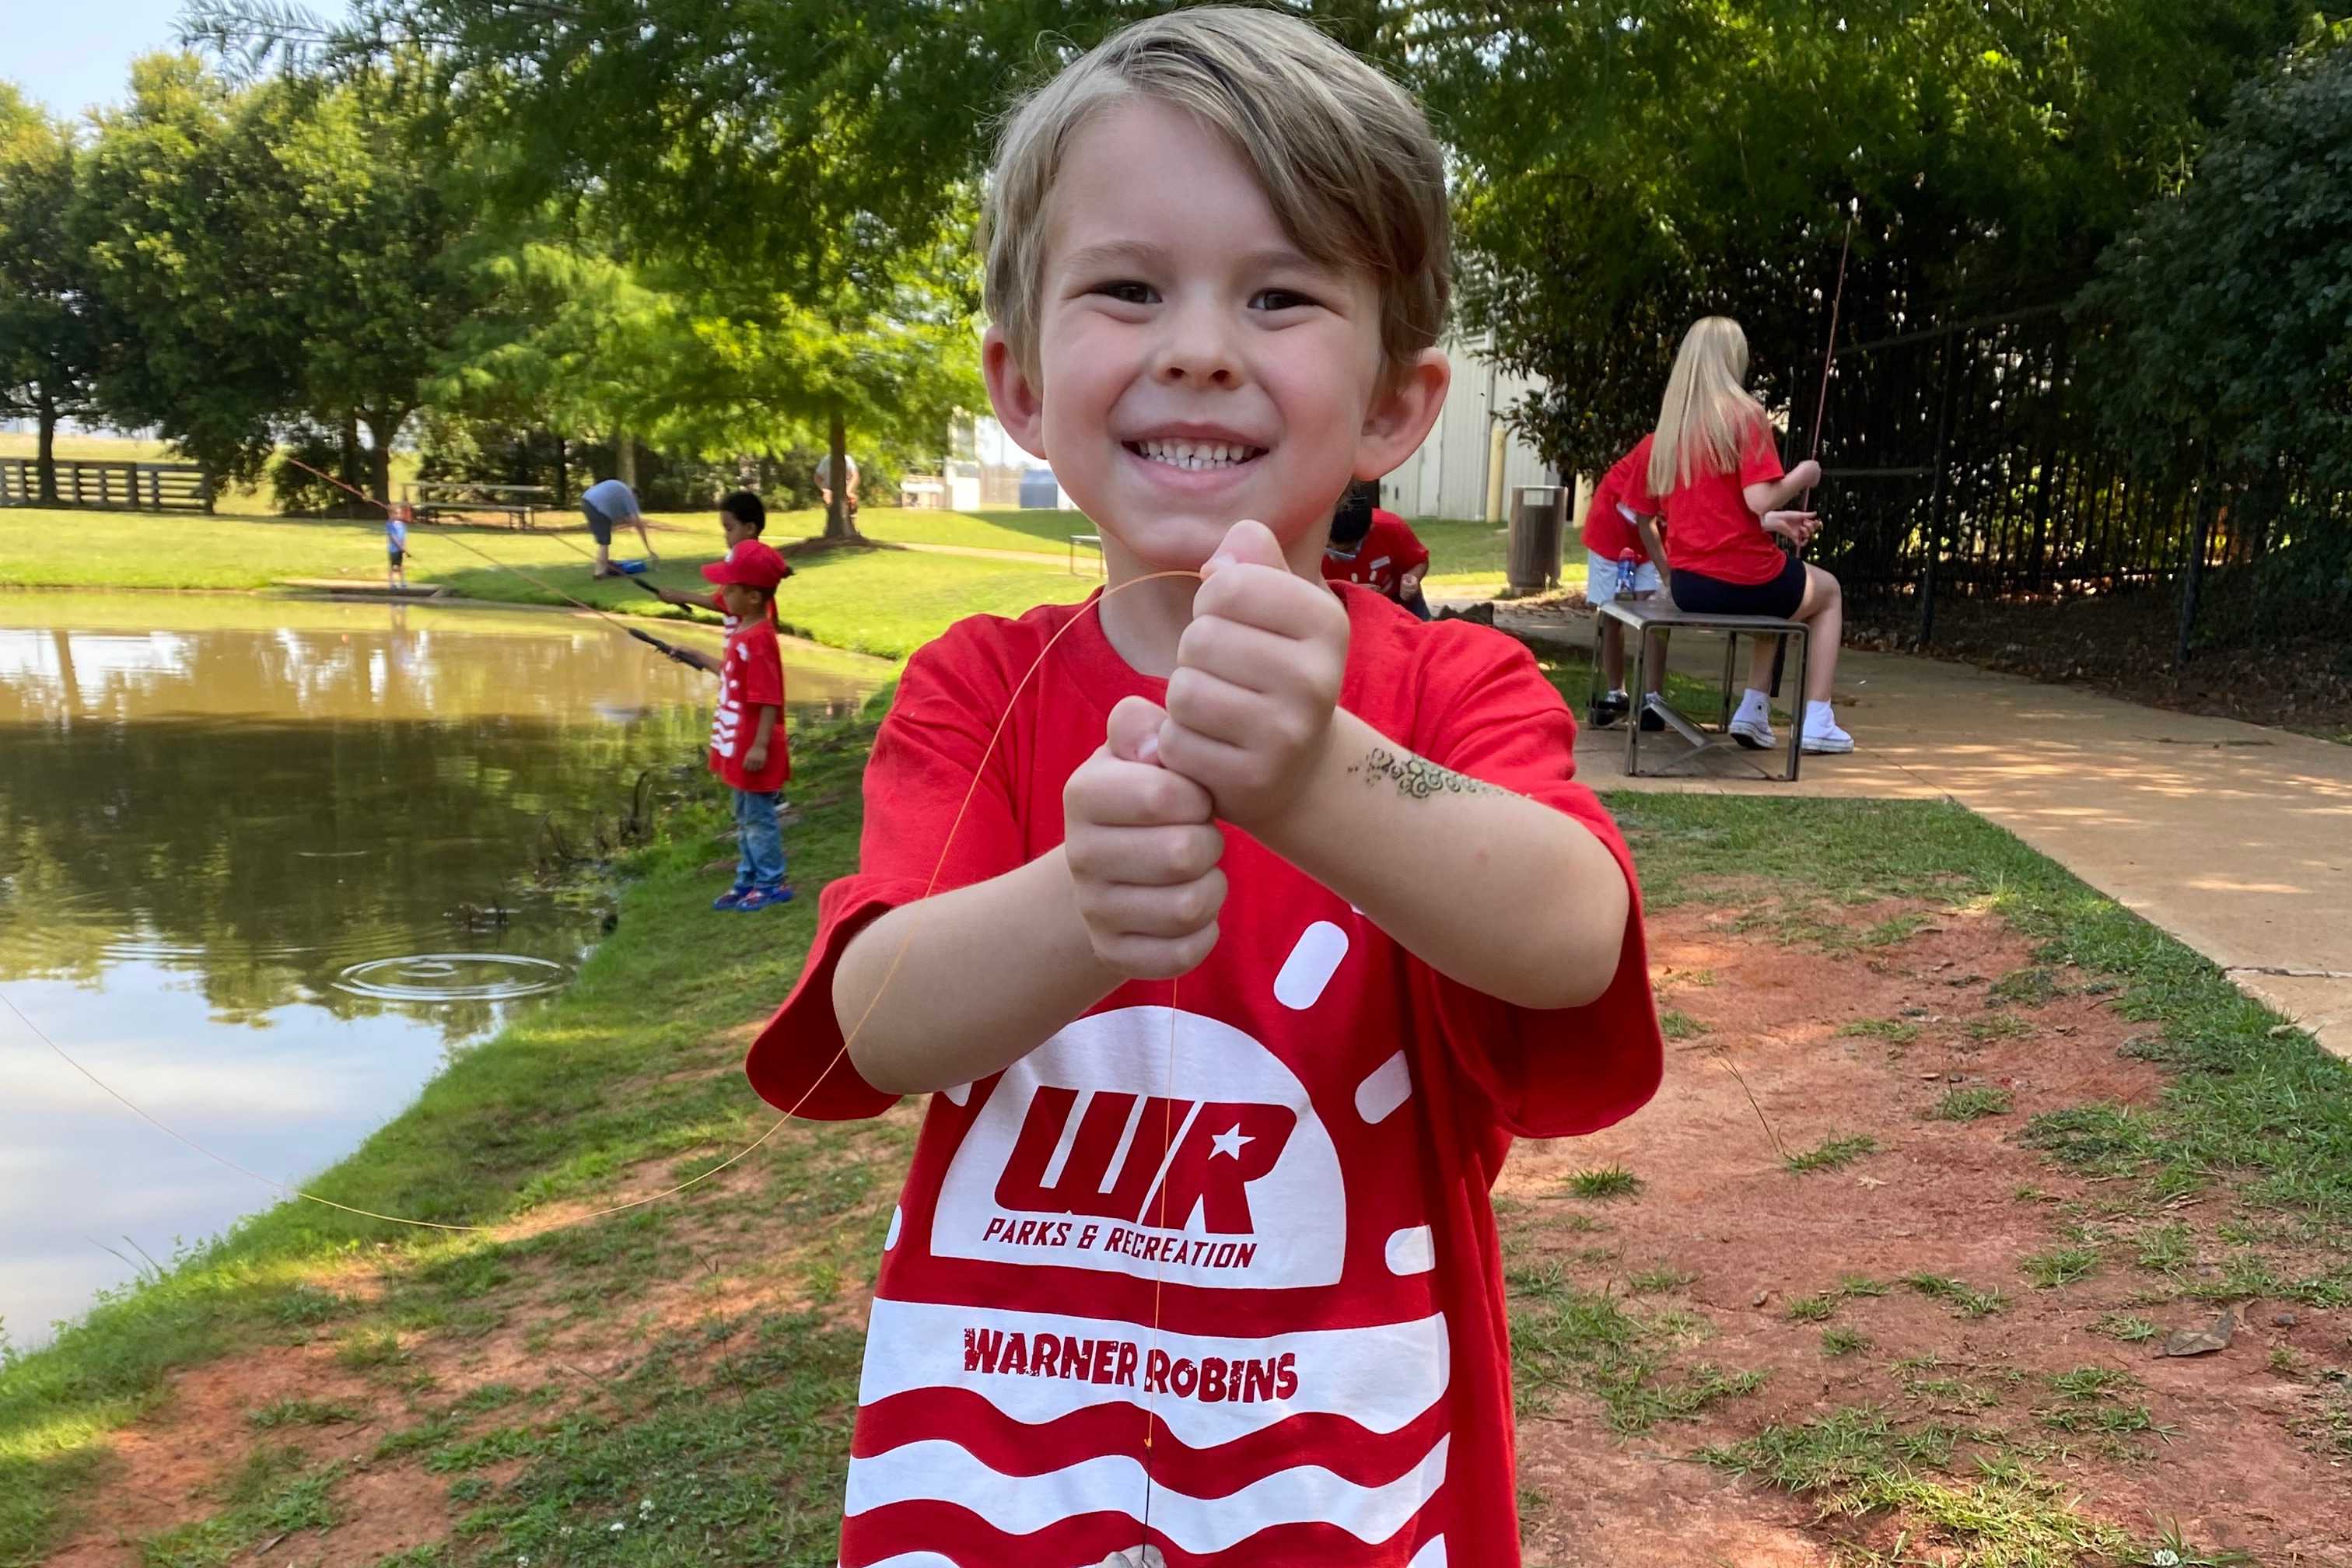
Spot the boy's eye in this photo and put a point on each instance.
(1128, 291)
(1279, 300)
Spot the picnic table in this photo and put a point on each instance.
(434, 499)
(1658, 618)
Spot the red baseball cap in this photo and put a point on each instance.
(752, 563)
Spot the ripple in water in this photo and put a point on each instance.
(452, 977)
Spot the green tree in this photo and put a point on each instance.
(288, 256)
(1624, 167)
(49, 339)
(2225, 313)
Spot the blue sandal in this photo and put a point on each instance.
(761, 897)
(730, 899)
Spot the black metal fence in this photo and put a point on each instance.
(1962, 460)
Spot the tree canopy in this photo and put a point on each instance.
(2226, 309)
(1626, 167)
(50, 343)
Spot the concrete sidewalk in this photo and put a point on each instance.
(2234, 838)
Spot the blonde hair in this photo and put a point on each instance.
(1707, 417)
(1346, 159)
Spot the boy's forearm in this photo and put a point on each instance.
(963, 983)
(767, 726)
(1499, 892)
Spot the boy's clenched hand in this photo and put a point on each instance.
(1256, 679)
(1142, 850)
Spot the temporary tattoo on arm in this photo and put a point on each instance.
(1416, 778)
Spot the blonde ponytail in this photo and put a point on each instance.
(1706, 417)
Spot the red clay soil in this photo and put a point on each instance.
(2242, 1469)
(1938, 1197)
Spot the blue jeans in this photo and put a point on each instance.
(759, 841)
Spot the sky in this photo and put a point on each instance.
(73, 53)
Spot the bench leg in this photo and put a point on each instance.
(1730, 671)
(1641, 662)
(1804, 641)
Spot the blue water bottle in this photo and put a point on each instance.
(1625, 567)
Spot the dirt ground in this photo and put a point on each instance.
(1781, 1046)
(2300, 679)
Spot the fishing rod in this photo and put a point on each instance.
(667, 650)
(1828, 348)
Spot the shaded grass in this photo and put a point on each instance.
(1855, 1463)
(1565, 1338)
(1831, 1154)
(1973, 1103)
(1606, 1181)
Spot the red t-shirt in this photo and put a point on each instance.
(1312, 1277)
(751, 676)
(1709, 529)
(1389, 551)
(1606, 532)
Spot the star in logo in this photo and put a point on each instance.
(1229, 1141)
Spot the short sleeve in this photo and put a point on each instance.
(1633, 475)
(763, 675)
(924, 761)
(1548, 1073)
(1760, 461)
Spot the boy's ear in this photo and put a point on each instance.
(1400, 417)
(1020, 406)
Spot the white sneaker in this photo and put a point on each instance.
(1752, 730)
(1827, 739)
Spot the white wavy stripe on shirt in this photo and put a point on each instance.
(1379, 1377)
(935, 1470)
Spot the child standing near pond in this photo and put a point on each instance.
(1234, 922)
(747, 750)
(743, 518)
(395, 547)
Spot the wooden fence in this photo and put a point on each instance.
(117, 487)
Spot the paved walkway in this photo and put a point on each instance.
(2235, 839)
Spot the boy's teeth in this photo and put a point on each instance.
(1194, 454)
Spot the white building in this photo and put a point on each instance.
(1472, 459)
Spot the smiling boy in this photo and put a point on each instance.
(1273, 914)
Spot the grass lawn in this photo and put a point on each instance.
(886, 603)
(677, 1381)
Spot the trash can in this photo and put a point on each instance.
(1039, 490)
(1538, 516)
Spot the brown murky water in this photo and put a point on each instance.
(247, 853)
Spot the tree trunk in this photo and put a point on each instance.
(562, 470)
(382, 429)
(48, 450)
(625, 459)
(348, 469)
(837, 513)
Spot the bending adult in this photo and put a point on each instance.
(608, 504)
(1714, 462)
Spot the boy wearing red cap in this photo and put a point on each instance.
(747, 743)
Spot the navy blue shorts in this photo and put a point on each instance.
(1714, 597)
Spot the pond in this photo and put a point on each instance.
(264, 864)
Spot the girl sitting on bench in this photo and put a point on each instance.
(1713, 459)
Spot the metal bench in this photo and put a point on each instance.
(1093, 539)
(437, 499)
(1657, 618)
